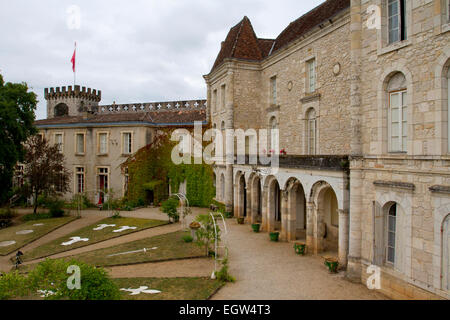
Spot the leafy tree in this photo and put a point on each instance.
(206, 233)
(44, 169)
(17, 106)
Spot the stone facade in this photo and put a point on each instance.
(358, 74)
(74, 113)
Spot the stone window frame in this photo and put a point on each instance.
(441, 212)
(223, 96)
(383, 199)
(76, 134)
(308, 62)
(382, 142)
(442, 89)
(273, 120)
(75, 180)
(214, 101)
(99, 153)
(61, 133)
(383, 45)
(273, 90)
(308, 131)
(122, 142)
(98, 174)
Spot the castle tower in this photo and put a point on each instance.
(71, 101)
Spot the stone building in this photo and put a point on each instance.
(97, 139)
(359, 93)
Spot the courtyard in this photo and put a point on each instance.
(171, 269)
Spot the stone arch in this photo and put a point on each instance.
(442, 124)
(271, 204)
(296, 223)
(256, 198)
(222, 187)
(440, 260)
(326, 217)
(445, 269)
(382, 102)
(241, 194)
(404, 226)
(61, 110)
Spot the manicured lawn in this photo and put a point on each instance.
(169, 246)
(10, 234)
(171, 288)
(94, 236)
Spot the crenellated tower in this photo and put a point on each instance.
(71, 101)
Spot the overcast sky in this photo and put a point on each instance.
(134, 51)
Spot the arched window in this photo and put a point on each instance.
(274, 134)
(397, 113)
(448, 110)
(446, 254)
(61, 110)
(311, 131)
(391, 229)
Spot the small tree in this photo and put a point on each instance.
(44, 169)
(206, 234)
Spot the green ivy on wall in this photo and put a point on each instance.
(151, 170)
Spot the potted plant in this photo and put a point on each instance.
(332, 264)
(300, 248)
(256, 227)
(240, 220)
(274, 236)
(194, 226)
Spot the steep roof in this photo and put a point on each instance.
(308, 21)
(242, 43)
(172, 118)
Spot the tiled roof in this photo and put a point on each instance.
(175, 117)
(242, 43)
(308, 21)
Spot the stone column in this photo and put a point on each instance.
(284, 234)
(343, 238)
(310, 226)
(229, 188)
(249, 217)
(264, 226)
(291, 218)
(229, 151)
(355, 234)
(236, 197)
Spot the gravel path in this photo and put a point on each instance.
(267, 270)
(171, 269)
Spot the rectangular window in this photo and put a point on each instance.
(311, 75)
(222, 96)
(59, 141)
(215, 100)
(80, 148)
(103, 143)
(79, 179)
(103, 175)
(273, 90)
(398, 113)
(396, 20)
(127, 147)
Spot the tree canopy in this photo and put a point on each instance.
(17, 107)
(44, 169)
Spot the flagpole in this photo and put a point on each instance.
(75, 70)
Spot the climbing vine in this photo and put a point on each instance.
(151, 170)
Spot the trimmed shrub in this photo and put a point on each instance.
(169, 207)
(188, 239)
(51, 275)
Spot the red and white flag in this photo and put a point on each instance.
(73, 57)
